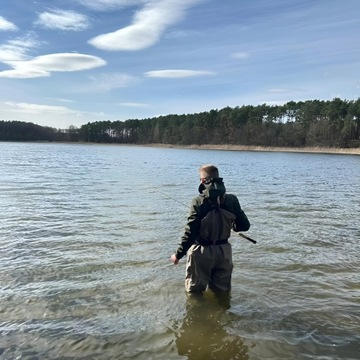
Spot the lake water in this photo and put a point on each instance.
(86, 237)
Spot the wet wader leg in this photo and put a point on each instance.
(221, 273)
(200, 261)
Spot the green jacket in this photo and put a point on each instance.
(200, 207)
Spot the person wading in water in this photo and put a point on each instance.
(213, 214)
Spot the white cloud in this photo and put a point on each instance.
(278, 90)
(177, 73)
(63, 20)
(23, 74)
(240, 55)
(180, 34)
(148, 25)
(6, 25)
(17, 49)
(48, 115)
(106, 82)
(134, 104)
(10, 53)
(284, 90)
(62, 100)
(106, 5)
(37, 108)
(43, 65)
(65, 62)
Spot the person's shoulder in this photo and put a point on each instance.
(197, 204)
(231, 198)
(199, 199)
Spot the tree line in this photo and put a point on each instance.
(332, 123)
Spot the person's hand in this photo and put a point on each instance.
(174, 259)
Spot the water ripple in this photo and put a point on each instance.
(86, 235)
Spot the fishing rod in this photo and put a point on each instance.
(246, 237)
(179, 202)
(169, 197)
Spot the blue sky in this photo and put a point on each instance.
(69, 62)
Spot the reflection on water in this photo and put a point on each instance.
(203, 333)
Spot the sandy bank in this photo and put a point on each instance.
(321, 150)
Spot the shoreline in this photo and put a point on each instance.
(315, 150)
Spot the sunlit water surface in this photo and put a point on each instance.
(87, 232)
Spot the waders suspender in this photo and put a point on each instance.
(219, 201)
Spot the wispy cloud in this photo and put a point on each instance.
(43, 65)
(23, 74)
(65, 62)
(240, 55)
(63, 20)
(180, 34)
(57, 114)
(177, 73)
(17, 49)
(35, 108)
(62, 100)
(148, 25)
(106, 5)
(16, 54)
(278, 90)
(6, 25)
(284, 90)
(109, 81)
(134, 104)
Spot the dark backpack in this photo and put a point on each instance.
(216, 223)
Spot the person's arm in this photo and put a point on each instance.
(191, 231)
(241, 222)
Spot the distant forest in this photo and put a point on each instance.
(334, 123)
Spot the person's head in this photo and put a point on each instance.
(208, 172)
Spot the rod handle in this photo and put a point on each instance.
(247, 238)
